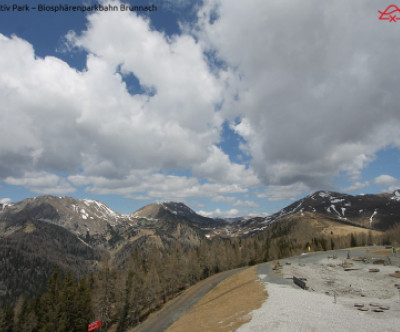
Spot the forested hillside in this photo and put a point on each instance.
(122, 298)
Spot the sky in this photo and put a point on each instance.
(233, 107)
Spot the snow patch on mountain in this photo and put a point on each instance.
(4, 202)
(396, 195)
(336, 211)
(324, 194)
(100, 207)
(372, 217)
(336, 200)
(84, 214)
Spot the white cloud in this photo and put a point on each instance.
(357, 186)
(289, 192)
(217, 167)
(42, 183)
(88, 121)
(156, 186)
(240, 203)
(389, 182)
(226, 199)
(5, 201)
(220, 213)
(313, 100)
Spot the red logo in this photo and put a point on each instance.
(390, 14)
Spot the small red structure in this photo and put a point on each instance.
(94, 326)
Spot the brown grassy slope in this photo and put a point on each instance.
(292, 234)
(225, 307)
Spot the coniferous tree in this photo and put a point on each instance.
(82, 305)
(49, 304)
(7, 319)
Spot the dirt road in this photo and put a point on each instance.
(164, 318)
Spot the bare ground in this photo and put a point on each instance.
(178, 307)
(226, 307)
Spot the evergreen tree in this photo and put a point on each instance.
(82, 306)
(7, 319)
(48, 306)
(27, 319)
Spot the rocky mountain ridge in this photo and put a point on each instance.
(93, 219)
(375, 211)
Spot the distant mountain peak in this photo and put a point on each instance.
(152, 210)
(376, 211)
(76, 215)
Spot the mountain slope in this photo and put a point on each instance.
(177, 211)
(379, 212)
(81, 217)
(160, 225)
(31, 252)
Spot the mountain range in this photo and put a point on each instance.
(40, 234)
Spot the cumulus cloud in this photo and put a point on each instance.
(220, 213)
(249, 204)
(390, 183)
(90, 126)
(217, 167)
(156, 186)
(42, 183)
(357, 186)
(315, 92)
(276, 193)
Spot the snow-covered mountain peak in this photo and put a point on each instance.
(396, 195)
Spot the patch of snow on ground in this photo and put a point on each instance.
(372, 217)
(343, 211)
(323, 194)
